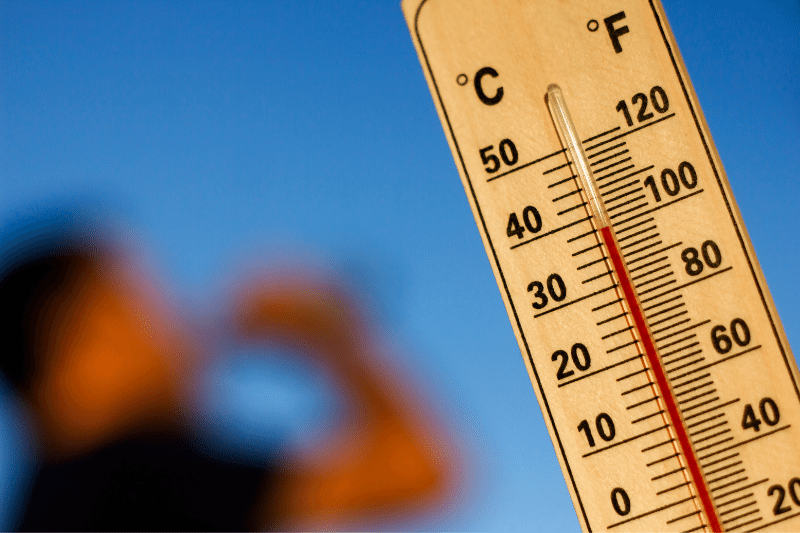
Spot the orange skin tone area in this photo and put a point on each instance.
(104, 370)
(386, 460)
(116, 359)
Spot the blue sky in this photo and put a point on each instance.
(225, 135)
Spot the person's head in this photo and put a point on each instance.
(80, 342)
(43, 267)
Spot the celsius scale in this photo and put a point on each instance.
(655, 350)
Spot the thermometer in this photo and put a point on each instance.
(655, 350)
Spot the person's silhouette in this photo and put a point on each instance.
(103, 364)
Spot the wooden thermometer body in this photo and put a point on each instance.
(659, 361)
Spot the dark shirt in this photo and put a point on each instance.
(146, 483)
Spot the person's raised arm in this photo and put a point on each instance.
(387, 460)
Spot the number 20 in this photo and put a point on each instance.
(794, 488)
(580, 358)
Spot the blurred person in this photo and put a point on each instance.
(106, 369)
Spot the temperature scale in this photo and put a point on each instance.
(657, 355)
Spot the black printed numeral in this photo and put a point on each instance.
(620, 501)
(531, 219)
(657, 97)
(671, 182)
(711, 256)
(794, 494)
(555, 288)
(769, 413)
(739, 332)
(605, 428)
(508, 153)
(580, 358)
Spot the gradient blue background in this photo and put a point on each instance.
(226, 135)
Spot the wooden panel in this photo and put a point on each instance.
(718, 337)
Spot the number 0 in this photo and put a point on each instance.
(620, 501)
(508, 152)
(554, 281)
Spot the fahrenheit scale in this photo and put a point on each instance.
(659, 361)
